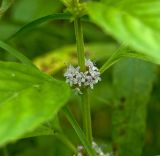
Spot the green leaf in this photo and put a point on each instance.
(96, 51)
(41, 130)
(115, 57)
(79, 132)
(27, 99)
(37, 22)
(50, 127)
(135, 22)
(120, 53)
(133, 81)
(16, 53)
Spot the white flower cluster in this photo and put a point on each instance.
(96, 148)
(80, 149)
(99, 151)
(77, 78)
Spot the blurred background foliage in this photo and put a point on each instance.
(129, 89)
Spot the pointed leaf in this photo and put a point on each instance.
(37, 22)
(27, 98)
(132, 21)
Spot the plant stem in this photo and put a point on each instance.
(79, 132)
(80, 43)
(81, 62)
(86, 115)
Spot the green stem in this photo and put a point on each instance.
(81, 62)
(79, 132)
(80, 43)
(86, 115)
(66, 141)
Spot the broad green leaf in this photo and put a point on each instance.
(37, 22)
(135, 22)
(16, 53)
(27, 99)
(59, 58)
(50, 127)
(79, 132)
(133, 81)
(41, 130)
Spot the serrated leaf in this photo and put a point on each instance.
(135, 22)
(27, 98)
(133, 81)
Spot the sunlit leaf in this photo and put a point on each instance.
(60, 58)
(40, 131)
(135, 22)
(27, 98)
(50, 127)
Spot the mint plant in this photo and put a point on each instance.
(31, 101)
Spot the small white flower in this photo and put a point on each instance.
(95, 147)
(80, 148)
(89, 63)
(99, 151)
(77, 78)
